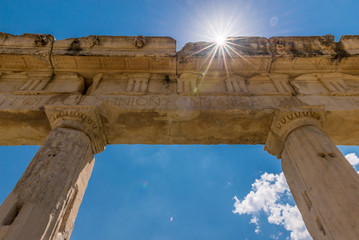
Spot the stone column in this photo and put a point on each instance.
(45, 201)
(324, 185)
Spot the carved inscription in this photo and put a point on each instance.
(177, 103)
(36, 102)
(331, 102)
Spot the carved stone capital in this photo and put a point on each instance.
(83, 118)
(285, 121)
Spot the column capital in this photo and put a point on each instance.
(285, 121)
(85, 118)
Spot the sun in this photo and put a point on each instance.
(220, 39)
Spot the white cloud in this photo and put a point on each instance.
(352, 158)
(268, 195)
(255, 220)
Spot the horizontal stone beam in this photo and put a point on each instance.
(146, 92)
(173, 119)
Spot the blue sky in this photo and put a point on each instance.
(177, 192)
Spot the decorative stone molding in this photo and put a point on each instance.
(281, 83)
(285, 121)
(235, 84)
(138, 83)
(187, 83)
(140, 41)
(83, 118)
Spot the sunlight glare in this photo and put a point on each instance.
(220, 40)
(217, 25)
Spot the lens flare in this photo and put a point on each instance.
(215, 25)
(220, 40)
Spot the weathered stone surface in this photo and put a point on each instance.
(155, 96)
(323, 183)
(41, 83)
(303, 46)
(89, 55)
(44, 203)
(126, 81)
(285, 121)
(82, 118)
(350, 44)
(26, 52)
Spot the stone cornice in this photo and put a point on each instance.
(83, 118)
(94, 54)
(285, 121)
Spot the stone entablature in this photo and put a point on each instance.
(41, 83)
(87, 55)
(190, 84)
(297, 95)
(294, 55)
(146, 92)
(92, 54)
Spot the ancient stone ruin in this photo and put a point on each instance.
(297, 95)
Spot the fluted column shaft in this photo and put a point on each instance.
(45, 201)
(324, 185)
